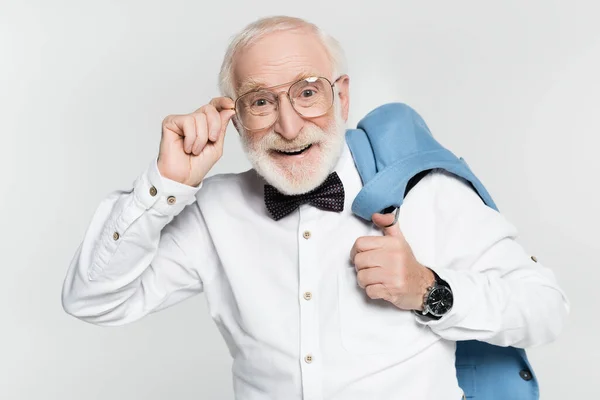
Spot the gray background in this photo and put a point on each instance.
(512, 86)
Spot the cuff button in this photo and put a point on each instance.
(153, 191)
(171, 200)
(534, 258)
(116, 236)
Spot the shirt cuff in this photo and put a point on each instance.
(164, 195)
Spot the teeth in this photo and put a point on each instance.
(295, 151)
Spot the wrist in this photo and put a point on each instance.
(438, 298)
(426, 283)
(166, 173)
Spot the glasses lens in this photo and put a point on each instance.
(257, 110)
(312, 97)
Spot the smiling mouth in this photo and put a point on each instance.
(294, 152)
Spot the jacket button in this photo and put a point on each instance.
(525, 374)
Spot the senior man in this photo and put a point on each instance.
(313, 302)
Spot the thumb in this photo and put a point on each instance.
(222, 103)
(226, 108)
(383, 221)
(225, 117)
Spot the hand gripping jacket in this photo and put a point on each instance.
(391, 147)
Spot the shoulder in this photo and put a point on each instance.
(442, 183)
(445, 193)
(449, 187)
(457, 208)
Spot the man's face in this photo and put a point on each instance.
(279, 58)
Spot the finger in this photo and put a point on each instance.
(226, 116)
(188, 126)
(222, 103)
(201, 132)
(226, 108)
(376, 291)
(174, 123)
(370, 259)
(383, 221)
(370, 276)
(367, 243)
(213, 121)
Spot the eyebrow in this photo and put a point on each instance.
(252, 84)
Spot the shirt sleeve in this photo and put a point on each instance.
(145, 249)
(502, 295)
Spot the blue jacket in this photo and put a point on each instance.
(391, 145)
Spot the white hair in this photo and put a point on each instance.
(264, 26)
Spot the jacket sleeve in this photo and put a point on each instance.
(145, 249)
(502, 295)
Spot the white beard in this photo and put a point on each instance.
(299, 177)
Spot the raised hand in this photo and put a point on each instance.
(192, 143)
(387, 268)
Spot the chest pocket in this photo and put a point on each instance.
(369, 326)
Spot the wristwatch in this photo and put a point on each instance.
(438, 299)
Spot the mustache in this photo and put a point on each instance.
(273, 141)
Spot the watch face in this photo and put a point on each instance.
(440, 301)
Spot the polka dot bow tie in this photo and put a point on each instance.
(329, 196)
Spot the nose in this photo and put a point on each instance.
(290, 123)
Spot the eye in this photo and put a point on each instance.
(308, 93)
(260, 103)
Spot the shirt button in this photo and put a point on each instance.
(307, 295)
(526, 375)
(116, 236)
(534, 258)
(308, 359)
(171, 200)
(153, 191)
(306, 234)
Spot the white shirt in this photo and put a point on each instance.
(284, 293)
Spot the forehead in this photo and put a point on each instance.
(280, 57)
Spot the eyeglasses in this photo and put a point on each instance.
(310, 97)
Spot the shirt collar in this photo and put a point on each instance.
(346, 170)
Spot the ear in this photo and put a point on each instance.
(343, 89)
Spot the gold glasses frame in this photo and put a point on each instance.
(287, 93)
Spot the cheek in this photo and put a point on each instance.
(254, 139)
(324, 123)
